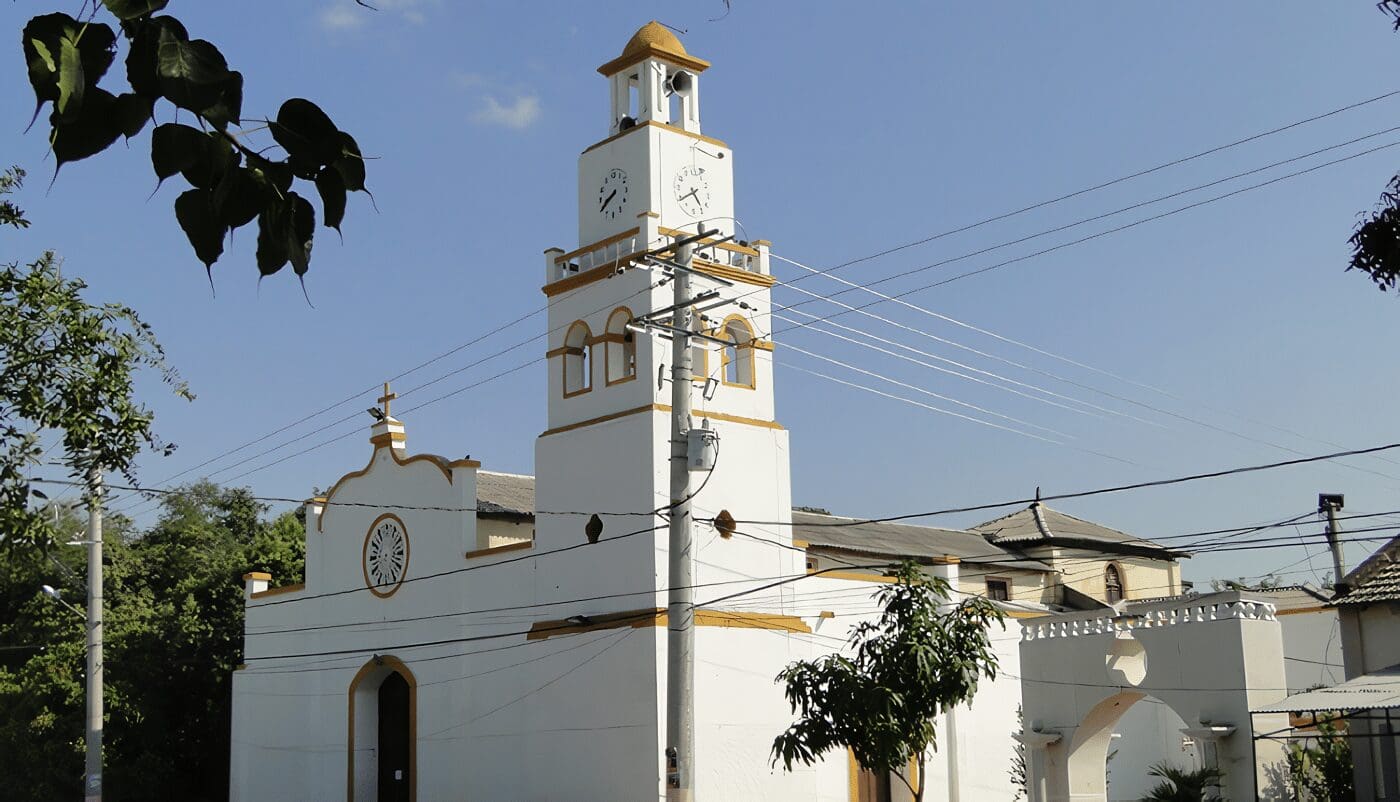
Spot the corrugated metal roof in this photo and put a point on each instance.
(1377, 579)
(904, 540)
(1038, 524)
(1377, 690)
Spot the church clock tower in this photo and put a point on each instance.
(654, 176)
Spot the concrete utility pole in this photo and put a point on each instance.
(93, 773)
(1329, 503)
(680, 613)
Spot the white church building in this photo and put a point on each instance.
(464, 634)
(442, 649)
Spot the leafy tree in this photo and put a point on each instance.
(231, 183)
(67, 367)
(919, 659)
(1181, 785)
(173, 629)
(10, 214)
(1375, 242)
(1322, 771)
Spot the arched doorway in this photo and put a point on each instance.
(381, 762)
(1120, 740)
(394, 698)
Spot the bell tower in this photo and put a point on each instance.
(654, 159)
(654, 178)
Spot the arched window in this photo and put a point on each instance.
(620, 352)
(1112, 584)
(738, 354)
(578, 368)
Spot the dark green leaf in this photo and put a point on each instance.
(301, 228)
(41, 44)
(193, 74)
(272, 238)
(93, 130)
(70, 79)
(218, 158)
(275, 174)
(350, 165)
(131, 113)
(97, 46)
(229, 107)
(306, 133)
(195, 211)
(332, 189)
(65, 58)
(130, 9)
(175, 148)
(143, 55)
(238, 198)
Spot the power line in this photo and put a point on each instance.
(1103, 490)
(1119, 180)
(927, 239)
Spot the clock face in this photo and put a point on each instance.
(612, 194)
(385, 555)
(692, 190)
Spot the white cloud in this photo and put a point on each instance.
(520, 113)
(342, 16)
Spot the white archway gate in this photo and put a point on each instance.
(1211, 659)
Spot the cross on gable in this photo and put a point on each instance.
(386, 398)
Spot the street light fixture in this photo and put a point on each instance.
(57, 595)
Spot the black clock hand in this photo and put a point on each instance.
(607, 200)
(691, 193)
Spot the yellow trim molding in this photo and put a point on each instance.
(801, 544)
(657, 617)
(493, 550)
(764, 424)
(735, 274)
(263, 575)
(396, 665)
(673, 129)
(708, 243)
(588, 276)
(1301, 610)
(278, 591)
(441, 463)
(645, 52)
(602, 243)
(854, 575)
(388, 438)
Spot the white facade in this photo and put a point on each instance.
(535, 665)
(1211, 660)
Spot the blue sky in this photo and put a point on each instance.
(855, 127)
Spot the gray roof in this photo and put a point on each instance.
(505, 493)
(1291, 597)
(903, 540)
(1377, 579)
(1374, 691)
(1038, 525)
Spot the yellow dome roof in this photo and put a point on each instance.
(655, 36)
(653, 39)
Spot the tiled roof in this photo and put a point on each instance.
(1040, 525)
(903, 540)
(1377, 579)
(505, 493)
